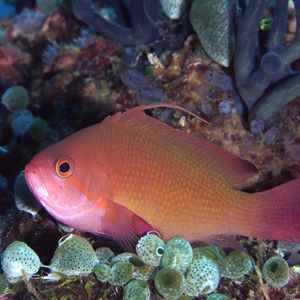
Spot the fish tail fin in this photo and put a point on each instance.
(280, 213)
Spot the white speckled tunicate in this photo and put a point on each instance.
(202, 277)
(74, 256)
(19, 259)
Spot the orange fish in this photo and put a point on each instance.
(132, 173)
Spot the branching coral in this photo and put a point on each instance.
(265, 79)
(144, 18)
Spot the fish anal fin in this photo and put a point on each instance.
(121, 224)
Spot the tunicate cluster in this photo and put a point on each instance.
(136, 290)
(102, 272)
(276, 271)
(150, 249)
(121, 273)
(202, 277)
(169, 283)
(225, 108)
(178, 254)
(16, 97)
(74, 256)
(236, 265)
(24, 199)
(19, 260)
(104, 254)
(20, 121)
(215, 253)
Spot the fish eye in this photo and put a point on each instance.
(64, 167)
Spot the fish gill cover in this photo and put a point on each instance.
(65, 65)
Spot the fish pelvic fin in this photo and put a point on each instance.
(121, 224)
(280, 213)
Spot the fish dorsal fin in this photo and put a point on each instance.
(233, 169)
(121, 224)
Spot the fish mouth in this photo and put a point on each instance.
(35, 184)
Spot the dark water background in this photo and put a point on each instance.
(5, 9)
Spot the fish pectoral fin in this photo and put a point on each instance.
(124, 226)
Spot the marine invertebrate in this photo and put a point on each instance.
(20, 121)
(48, 6)
(236, 265)
(38, 129)
(104, 254)
(24, 199)
(121, 273)
(265, 79)
(14, 98)
(136, 290)
(202, 277)
(169, 283)
(102, 272)
(19, 260)
(276, 271)
(144, 17)
(73, 256)
(150, 249)
(173, 8)
(215, 253)
(217, 297)
(212, 21)
(178, 254)
(4, 285)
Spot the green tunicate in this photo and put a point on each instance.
(202, 277)
(38, 129)
(104, 254)
(217, 297)
(236, 265)
(74, 256)
(136, 290)
(24, 199)
(15, 98)
(276, 272)
(48, 6)
(173, 8)
(215, 253)
(4, 284)
(19, 259)
(150, 249)
(102, 272)
(169, 283)
(178, 254)
(144, 272)
(123, 257)
(140, 269)
(212, 21)
(121, 273)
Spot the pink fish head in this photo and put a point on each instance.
(59, 178)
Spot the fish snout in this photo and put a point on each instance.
(35, 183)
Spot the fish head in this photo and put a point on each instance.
(60, 179)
